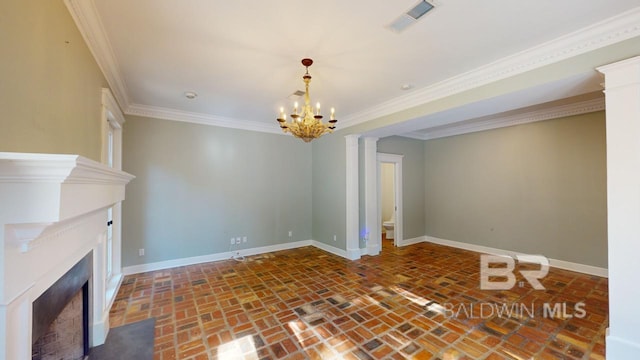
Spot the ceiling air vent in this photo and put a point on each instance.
(410, 17)
(295, 95)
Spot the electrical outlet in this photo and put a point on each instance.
(233, 241)
(238, 240)
(335, 238)
(290, 233)
(244, 239)
(140, 252)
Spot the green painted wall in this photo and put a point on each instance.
(197, 186)
(329, 190)
(538, 188)
(413, 189)
(50, 87)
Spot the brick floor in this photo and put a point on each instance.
(417, 302)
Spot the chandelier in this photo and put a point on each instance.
(305, 124)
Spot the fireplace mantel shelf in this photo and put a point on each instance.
(55, 168)
(44, 190)
(60, 183)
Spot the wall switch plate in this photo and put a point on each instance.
(244, 239)
(233, 241)
(140, 252)
(335, 238)
(238, 240)
(290, 233)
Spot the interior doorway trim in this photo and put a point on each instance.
(397, 184)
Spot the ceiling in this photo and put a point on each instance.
(242, 57)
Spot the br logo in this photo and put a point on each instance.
(489, 273)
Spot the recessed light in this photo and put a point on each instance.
(190, 95)
(406, 86)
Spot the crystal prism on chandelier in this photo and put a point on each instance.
(305, 124)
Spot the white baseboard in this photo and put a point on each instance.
(406, 242)
(168, 264)
(621, 349)
(331, 249)
(371, 249)
(560, 264)
(99, 330)
(354, 254)
(581, 268)
(351, 254)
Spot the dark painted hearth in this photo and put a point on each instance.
(131, 341)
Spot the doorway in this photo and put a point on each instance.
(389, 219)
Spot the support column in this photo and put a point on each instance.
(622, 92)
(353, 218)
(372, 227)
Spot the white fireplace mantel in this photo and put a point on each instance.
(53, 211)
(55, 186)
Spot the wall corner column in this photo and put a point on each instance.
(622, 93)
(372, 228)
(353, 218)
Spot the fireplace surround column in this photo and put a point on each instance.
(622, 94)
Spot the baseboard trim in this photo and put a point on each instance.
(416, 240)
(331, 249)
(618, 348)
(100, 330)
(351, 254)
(371, 250)
(168, 264)
(560, 264)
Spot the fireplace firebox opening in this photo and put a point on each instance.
(60, 323)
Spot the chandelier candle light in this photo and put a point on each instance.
(305, 124)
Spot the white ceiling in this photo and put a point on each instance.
(243, 57)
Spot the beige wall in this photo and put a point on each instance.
(538, 188)
(197, 186)
(50, 87)
(387, 193)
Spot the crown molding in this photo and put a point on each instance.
(200, 118)
(607, 32)
(577, 108)
(87, 19)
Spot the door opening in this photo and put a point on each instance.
(387, 204)
(390, 200)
